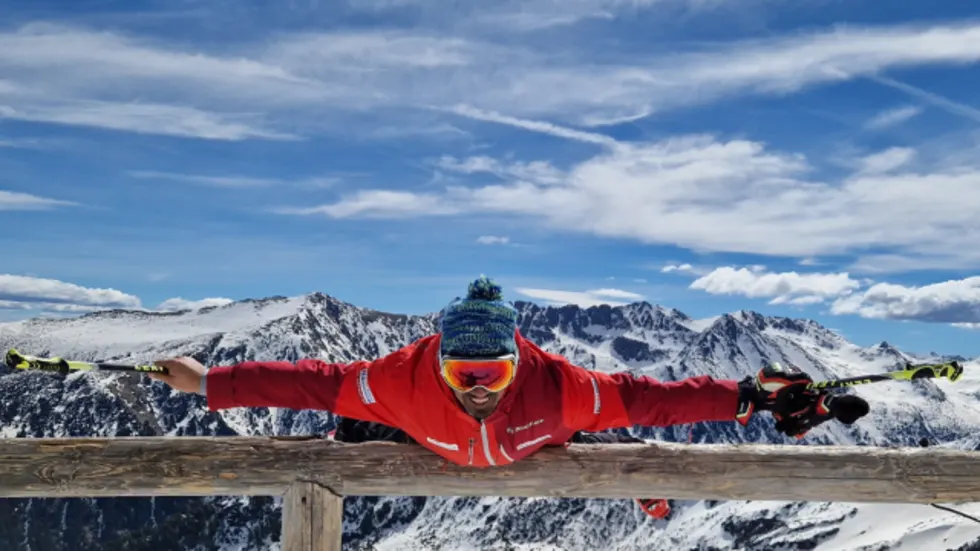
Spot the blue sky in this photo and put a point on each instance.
(812, 159)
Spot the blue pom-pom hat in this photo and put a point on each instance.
(480, 325)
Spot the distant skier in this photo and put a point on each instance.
(478, 393)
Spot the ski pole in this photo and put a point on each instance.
(16, 360)
(951, 370)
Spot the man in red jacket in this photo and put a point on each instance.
(480, 394)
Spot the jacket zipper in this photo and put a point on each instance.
(471, 450)
(486, 443)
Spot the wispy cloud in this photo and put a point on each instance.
(21, 143)
(893, 117)
(542, 172)
(14, 200)
(945, 103)
(141, 118)
(177, 304)
(276, 87)
(532, 16)
(738, 195)
(585, 299)
(67, 75)
(534, 126)
(684, 268)
(232, 181)
(379, 204)
(492, 240)
(887, 160)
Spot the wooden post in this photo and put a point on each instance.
(312, 518)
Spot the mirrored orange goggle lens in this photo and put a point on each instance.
(463, 375)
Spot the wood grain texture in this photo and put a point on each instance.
(312, 518)
(196, 466)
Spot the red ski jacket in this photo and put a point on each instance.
(549, 400)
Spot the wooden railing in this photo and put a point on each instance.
(313, 474)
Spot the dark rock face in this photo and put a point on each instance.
(644, 339)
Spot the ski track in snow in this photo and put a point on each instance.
(641, 338)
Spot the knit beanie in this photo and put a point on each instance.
(482, 324)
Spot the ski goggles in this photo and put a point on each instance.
(493, 374)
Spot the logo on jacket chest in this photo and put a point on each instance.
(536, 422)
(530, 435)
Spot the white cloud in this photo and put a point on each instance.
(143, 118)
(584, 299)
(887, 160)
(942, 102)
(893, 117)
(532, 16)
(176, 304)
(28, 293)
(540, 172)
(73, 76)
(304, 81)
(615, 293)
(14, 200)
(803, 300)
(534, 126)
(52, 293)
(954, 301)
(685, 268)
(688, 269)
(380, 204)
(22, 143)
(231, 181)
(782, 288)
(736, 196)
(492, 240)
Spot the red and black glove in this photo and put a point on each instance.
(797, 409)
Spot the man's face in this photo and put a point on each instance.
(478, 402)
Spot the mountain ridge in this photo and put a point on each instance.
(641, 338)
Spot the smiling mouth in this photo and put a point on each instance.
(480, 401)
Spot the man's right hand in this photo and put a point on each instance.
(185, 374)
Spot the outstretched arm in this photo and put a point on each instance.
(358, 389)
(344, 389)
(597, 401)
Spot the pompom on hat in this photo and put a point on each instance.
(481, 325)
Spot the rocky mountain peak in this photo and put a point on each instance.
(641, 338)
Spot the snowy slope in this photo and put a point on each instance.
(641, 338)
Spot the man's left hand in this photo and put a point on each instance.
(797, 409)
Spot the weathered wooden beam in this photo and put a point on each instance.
(312, 518)
(195, 466)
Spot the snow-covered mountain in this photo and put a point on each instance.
(640, 338)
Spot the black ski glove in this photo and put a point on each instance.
(782, 391)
